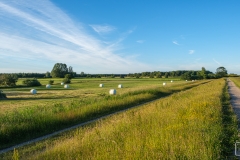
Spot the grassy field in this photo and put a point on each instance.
(236, 80)
(24, 116)
(193, 124)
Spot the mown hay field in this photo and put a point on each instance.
(193, 124)
(24, 116)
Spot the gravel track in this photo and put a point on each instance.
(234, 93)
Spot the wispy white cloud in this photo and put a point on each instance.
(102, 29)
(39, 31)
(191, 51)
(217, 62)
(175, 42)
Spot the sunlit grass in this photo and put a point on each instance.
(236, 80)
(28, 118)
(187, 125)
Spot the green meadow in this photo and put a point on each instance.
(192, 120)
(24, 116)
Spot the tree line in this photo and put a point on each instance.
(61, 70)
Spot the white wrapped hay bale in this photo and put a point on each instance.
(48, 86)
(112, 92)
(33, 91)
(120, 86)
(101, 85)
(66, 86)
(171, 81)
(164, 84)
(62, 83)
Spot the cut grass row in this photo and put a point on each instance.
(194, 124)
(31, 122)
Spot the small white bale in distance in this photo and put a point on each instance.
(186, 80)
(101, 85)
(112, 92)
(66, 86)
(164, 84)
(33, 91)
(192, 80)
(48, 86)
(62, 83)
(120, 86)
(171, 81)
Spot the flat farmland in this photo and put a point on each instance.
(194, 122)
(24, 116)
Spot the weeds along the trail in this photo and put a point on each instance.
(185, 125)
(27, 123)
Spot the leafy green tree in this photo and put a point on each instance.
(47, 75)
(8, 79)
(166, 75)
(59, 70)
(203, 73)
(221, 72)
(186, 76)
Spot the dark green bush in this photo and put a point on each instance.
(66, 80)
(51, 81)
(2, 95)
(31, 82)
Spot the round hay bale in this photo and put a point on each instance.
(101, 85)
(120, 86)
(62, 83)
(171, 81)
(66, 86)
(112, 92)
(48, 86)
(33, 91)
(164, 84)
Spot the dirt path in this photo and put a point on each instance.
(234, 92)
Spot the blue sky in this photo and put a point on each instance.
(119, 36)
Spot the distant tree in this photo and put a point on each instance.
(70, 71)
(47, 75)
(8, 80)
(166, 75)
(186, 76)
(151, 75)
(59, 70)
(221, 72)
(203, 73)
